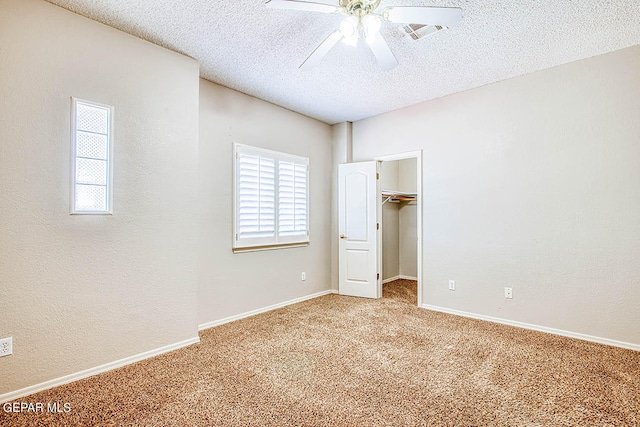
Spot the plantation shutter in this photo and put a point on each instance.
(271, 191)
(256, 196)
(292, 198)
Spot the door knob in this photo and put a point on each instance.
(342, 236)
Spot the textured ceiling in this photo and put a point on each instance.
(245, 46)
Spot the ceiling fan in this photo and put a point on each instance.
(361, 17)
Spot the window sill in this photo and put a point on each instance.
(270, 247)
(91, 213)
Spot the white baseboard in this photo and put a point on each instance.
(219, 322)
(398, 277)
(94, 371)
(533, 327)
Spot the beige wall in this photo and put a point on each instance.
(407, 220)
(531, 183)
(80, 291)
(389, 180)
(232, 284)
(408, 239)
(407, 175)
(341, 134)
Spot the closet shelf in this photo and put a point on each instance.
(397, 196)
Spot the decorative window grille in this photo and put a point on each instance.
(271, 198)
(91, 163)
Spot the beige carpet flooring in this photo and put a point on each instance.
(342, 361)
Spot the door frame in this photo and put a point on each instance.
(402, 156)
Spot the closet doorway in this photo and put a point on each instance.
(401, 224)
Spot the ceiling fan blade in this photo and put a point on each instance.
(321, 50)
(382, 52)
(445, 16)
(302, 5)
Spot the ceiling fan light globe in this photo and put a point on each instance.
(371, 25)
(349, 27)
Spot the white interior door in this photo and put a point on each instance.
(358, 260)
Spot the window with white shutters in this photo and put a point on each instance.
(91, 163)
(271, 192)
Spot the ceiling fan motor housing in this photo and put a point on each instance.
(359, 8)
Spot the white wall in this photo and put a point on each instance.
(80, 291)
(232, 284)
(531, 183)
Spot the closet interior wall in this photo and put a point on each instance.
(399, 221)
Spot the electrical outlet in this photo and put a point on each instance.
(6, 346)
(508, 293)
(452, 285)
(303, 276)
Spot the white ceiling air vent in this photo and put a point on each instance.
(417, 31)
